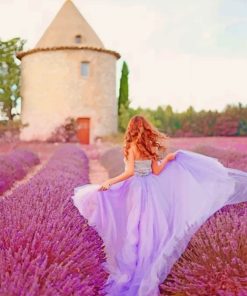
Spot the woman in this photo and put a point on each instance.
(147, 215)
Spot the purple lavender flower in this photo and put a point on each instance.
(46, 247)
(214, 262)
(14, 166)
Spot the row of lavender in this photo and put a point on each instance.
(14, 166)
(215, 262)
(229, 158)
(46, 247)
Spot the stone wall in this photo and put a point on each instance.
(53, 89)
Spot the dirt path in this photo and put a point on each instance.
(33, 171)
(97, 173)
(43, 150)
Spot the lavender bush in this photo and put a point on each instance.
(46, 247)
(215, 261)
(14, 166)
(112, 161)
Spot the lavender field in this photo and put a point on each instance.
(215, 261)
(47, 248)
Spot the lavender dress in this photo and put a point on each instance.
(147, 220)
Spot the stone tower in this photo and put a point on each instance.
(68, 74)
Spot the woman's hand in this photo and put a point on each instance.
(170, 156)
(106, 185)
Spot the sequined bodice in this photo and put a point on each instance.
(142, 167)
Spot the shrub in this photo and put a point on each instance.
(65, 132)
(10, 131)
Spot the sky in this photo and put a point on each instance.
(179, 52)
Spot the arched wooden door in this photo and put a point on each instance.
(83, 129)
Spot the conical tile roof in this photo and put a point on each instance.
(69, 28)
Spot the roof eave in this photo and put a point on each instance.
(21, 54)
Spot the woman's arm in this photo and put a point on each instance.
(129, 172)
(158, 167)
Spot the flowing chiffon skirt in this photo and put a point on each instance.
(147, 221)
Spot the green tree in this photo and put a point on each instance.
(10, 74)
(123, 98)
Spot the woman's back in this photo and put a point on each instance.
(142, 167)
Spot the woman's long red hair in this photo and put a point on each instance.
(149, 142)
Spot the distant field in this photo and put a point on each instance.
(228, 143)
(231, 143)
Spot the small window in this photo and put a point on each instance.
(78, 39)
(85, 69)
